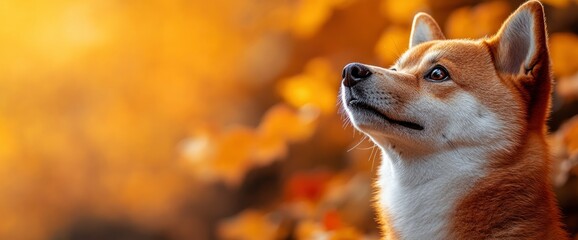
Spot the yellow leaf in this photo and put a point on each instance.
(220, 156)
(234, 157)
(227, 155)
(288, 123)
(316, 86)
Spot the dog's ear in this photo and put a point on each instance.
(521, 55)
(521, 42)
(424, 29)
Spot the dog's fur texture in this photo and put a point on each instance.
(479, 166)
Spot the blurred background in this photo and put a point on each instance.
(216, 119)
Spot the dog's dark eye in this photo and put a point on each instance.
(437, 74)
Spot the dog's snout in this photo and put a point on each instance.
(354, 73)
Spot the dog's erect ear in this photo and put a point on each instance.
(424, 29)
(521, 54)
(521, 42)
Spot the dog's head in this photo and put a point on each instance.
(448, 93)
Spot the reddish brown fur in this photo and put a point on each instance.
(516, 201)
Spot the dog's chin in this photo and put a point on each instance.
(367, 118)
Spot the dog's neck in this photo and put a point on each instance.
(419, 195)
(469, 192)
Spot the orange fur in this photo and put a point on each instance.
(516, 201)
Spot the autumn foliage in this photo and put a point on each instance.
(216, 119)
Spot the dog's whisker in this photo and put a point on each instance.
(346, 123)
(360, 141)
(372, 156)
(367, 148)
(372, 164)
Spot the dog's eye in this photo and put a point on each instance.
(437, 74)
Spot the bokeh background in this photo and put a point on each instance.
(190, 119)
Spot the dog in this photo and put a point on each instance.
(461, 125)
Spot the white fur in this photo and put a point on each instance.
(421, 33)
(419, 193)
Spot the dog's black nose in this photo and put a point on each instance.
(354, 73)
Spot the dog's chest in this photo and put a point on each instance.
(422, 208)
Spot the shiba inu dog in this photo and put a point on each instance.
(461, 126)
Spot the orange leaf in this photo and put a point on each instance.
(332, 220)
(307, 186)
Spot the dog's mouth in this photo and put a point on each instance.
(368, 108)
